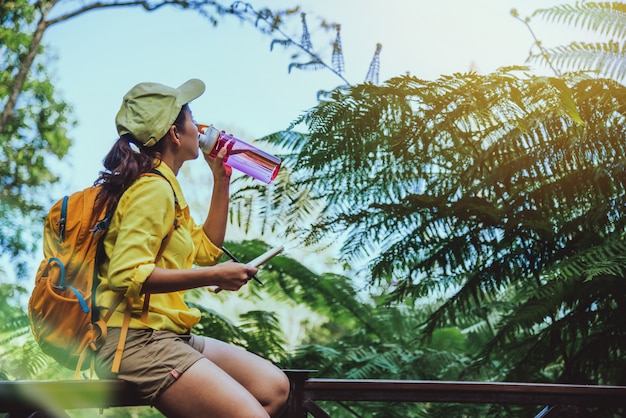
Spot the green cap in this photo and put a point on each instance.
(149, 109)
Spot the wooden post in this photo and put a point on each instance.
(295, 405)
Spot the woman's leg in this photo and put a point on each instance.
(205, 390)
(231, 382)
(267, 383)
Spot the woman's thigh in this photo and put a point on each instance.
(267, 383)
(205, 390)
(229, 382)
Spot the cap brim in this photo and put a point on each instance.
(190, 90)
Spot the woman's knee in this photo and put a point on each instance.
(277, 393)
(282, 385)
(267, 383)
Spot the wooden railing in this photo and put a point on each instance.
(52, 398)
(307, 391)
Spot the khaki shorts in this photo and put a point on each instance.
(152, 360)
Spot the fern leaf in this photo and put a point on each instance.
(311, 65)
(281, 42)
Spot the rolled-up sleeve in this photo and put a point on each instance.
(207, 253)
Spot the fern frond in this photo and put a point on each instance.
(280, 42)
(604, 18)
(337, 56)
(374, 68)
(306, 37)
(309, 66)
(607, 58)
(264, 335)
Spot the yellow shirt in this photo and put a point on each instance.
(143, 218)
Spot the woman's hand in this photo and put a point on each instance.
(231, 275)
(219, 169)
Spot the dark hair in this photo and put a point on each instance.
(123, 165)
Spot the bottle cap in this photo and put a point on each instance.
(207, 137)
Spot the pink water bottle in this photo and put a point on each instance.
(241, 155)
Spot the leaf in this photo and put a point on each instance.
(567, 100)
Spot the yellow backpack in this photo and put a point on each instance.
(61, 308)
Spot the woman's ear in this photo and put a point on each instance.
(173, 133)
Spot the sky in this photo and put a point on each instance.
(250, 92)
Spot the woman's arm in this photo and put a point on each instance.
(217, 218)
(226, 276)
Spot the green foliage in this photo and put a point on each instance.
(258, 331)
(20, 358)
(605, 19)
(394, 350)
(355, 339)
(34, 136)
(486, 192)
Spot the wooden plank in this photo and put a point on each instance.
(463, 392)
(49, 395)
(53, 397)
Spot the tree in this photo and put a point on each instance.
(18, 354)
(36, 131)
(501, 194)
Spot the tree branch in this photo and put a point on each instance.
(46, 6)
(142, 3)
(269, 18)
(543, 51)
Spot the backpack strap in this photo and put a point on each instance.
(63, 219)
(117, 360)
(146, 298)
(99, 325)
(164, 242)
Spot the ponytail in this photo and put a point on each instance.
(127, 160)
(125, 163)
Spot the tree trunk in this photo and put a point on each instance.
(19, 80)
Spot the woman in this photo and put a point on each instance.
(183, 375)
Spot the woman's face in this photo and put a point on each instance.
(189, 137)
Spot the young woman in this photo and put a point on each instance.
(182, 374)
